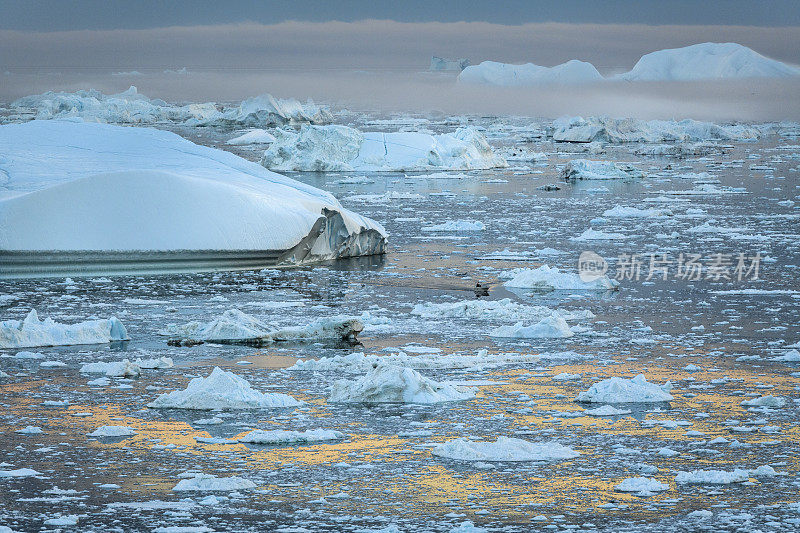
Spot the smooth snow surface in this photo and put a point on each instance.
(340, 148)
(34, 332)
(621, 390)
(552, 279)
(572, 72)
(386, 383)
(209, 483)
(503, 449)
(82, 186)
(707, 61)
(281, 436)
(585, 169)
(221, 390)
(625, 130)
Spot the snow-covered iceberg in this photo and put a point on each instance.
(572, 72)
(76, 187)
(621, 390)
(131, 107)
(34, 332)
(385, 383)
(443, 64)
(707, 61)
(236, 327)
(503, 449)
(624, 130)
(586, 169)
(340, 148)
(221, 390)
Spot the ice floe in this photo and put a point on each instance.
(586, 169)
(621, 390)
(624, 130)
(548, 278)
(153, 190)
(713, 477)
(644, 486)
(211, 483)
(122, 368)
(359, 362)
(32, 331)
(551, 327)
(340, 148)
(572, 72)
(387, 383)
(221, 390)
(252, 137)
(504, 309)
(503, 449)
(282, 436)
(112, 431)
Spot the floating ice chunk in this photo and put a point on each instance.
(221, 390)
(63, 521)
(234, 326)
(597, 235)
(19, 472)
(29, 430)
(280, 436)
(28, 355)
(99, 382)
(765, 401)
(707, 61)
(339, 148)
(266, 110)
(386, 383)
(619, 211)
(122, 368)
(551, 327)
(359, 362)
(505, 309)
(566, 376)
(503, 449)
(210, 483)
(713, 477)
(159, 362)
(112, 431)
(572, 72)
(132, 177)
(34, 332)
(792, 355)
(551, 278)
(252, 137)
(700, 514)
(642, 485)
(456, 226)
(621, 390)
(607, 410)
(623, 130)
(585, 169)
(442, 64)
(52, 364)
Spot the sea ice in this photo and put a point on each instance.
(386, 383)
(572, 72)
(642, 485)
(280, 436)
(621, 390)
(122, 368)
(210, 483)
(713, 477)
(625, 130)
(586, 169)
(112, 431)
(221, 390)
(551, 278)
(551, 327)
(503, 449)
(34, 332)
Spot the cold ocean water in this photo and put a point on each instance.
(716, 340)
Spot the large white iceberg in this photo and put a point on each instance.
(572, 72)
(130, 107)
(34, 332)
(503, 449)
(707, 61)
(624, 130)
(78, 187)
(340, 148)
(621, 390)
(385, 383)
(221, 390)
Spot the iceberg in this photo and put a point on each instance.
(104, 194)
(221, 390)
(340, 148)
(503, 449)
(209, 483)
(33, 332)
(443, 64)
(630, 130)
(122, 368)
(621, 390)
(548, 278)
(551, 327)
(585, 169)
(572, 72)
(707, 61)
(386, 383)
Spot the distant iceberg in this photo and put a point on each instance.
(707, 61)
(76, 187)
(443, 64)
(572, 72)
(340, 148)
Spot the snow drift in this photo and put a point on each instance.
(340, 148)
(572, 72)
(707, 61)
(78, 187)
(34, 332)
(221, 390)
(385, 383)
